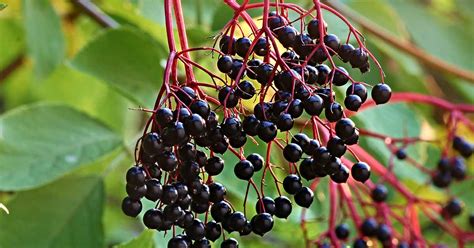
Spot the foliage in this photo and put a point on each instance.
(67, 125)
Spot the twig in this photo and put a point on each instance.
(96, 13)
(9, 69)
(403, 45)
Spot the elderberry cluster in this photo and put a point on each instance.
(177, 158)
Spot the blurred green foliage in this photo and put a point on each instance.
(67, 133)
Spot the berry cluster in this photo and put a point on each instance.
(266, 97)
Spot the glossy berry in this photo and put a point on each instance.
(250, 125)
(352, 102)
(135, 192)
(203, 243)
(379, 193)
(242, 46)
(265, 205)
(313, 28)
(214, 166)
(463, 147)
(236, 69)
(173, 212)
(244, 170)
(292, 184)
(164, 116)
(358, 58)
(360, 243)
(285, 122)
(384, 232)
(369, 227)
(217, 192)
(231, 126)
(267, 131)
(381, 93)
(340, 76)
(224, 64)
(342, 231)
(282, 207)
(227, 45)
(154, 189)
(322, 156)
(177, 242)
(227, 97)
(237, 221)
(196, 230)
(230, 243)
(401, 154)
(313, 105)
(333, 165)
(304, 197)
(261, 223)
(245, 90)
(357, 89)
(453, 208)
(170, 194)
(185, 220)
(341, 175)
(287, 36)
(151, 144)
(194, 125)
(307, 169)
(264, 73)
(246, 230)
(324, 73)
(174, 134)
(458, 168)
(131, 207)
(256, 160)
(213, 230)
(201, 108)
(345, 52)
(333, 42)
(303, 45)
(345, 128)
(292, 152)
(441, 179)
(153, 218)
(220, 211)
(336, 146)
(252, 67)
(136, 176)
(334, 112)
(360, 171)
(167, 161)
(261, 47)
(186, 95)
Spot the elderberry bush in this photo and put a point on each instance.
(272, 84)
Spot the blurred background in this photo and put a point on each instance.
(68, 83)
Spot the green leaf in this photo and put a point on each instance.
(12, 42)
(128, 60)
(66, 213)
(44, 37)
(42, 142)
(144, 240)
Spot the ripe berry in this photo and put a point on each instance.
(336, 146)
(199, 207)
(237, 221)
(301, 139)
(292, 152)
(244, 170)
(379, 193)
(341, 175)
(185, 220)
(345, 52)
(275, 21)
(224, 64)
(213, 230)
(304, 197)
(186, 95)
(153, 218)
(167, 161)
(230, 243)
(164, 116)
(441, 179)
(463, 147)
(264, 73)
(322, 156)
(360, 171)
(131, 207)
(333, 165)
(262, 223)
(252, 66)
(256, 160)
(401, 154)
(458, 168)
(312, 74)
(323, 74)
(306, 169)
(358, 58)
(352, 102)
(311, 147)
(369, 227)
(220, 211)
(471, 220)
(196, 230)
(354, 139)
(313, 28)
(303, 45)
(340, 76)
(265, 205)
(285, 122)
(261, 47)
(287, 36)
(201, 108)
(217, 192)
(444, 165)
(287, 79)
(136, 176)
(357, 89)
(173, 212)
(313, 105)
(381, 93)
(189, 171)
(214, 166)
(227, 97)
(154, 190)
(345, 128)
(384, 232)
(246, 230)
(181, 114)
(333, 42)
(334, 112)
(231, 126)
(135, 192)
(282, 207)
(236, 67)
(174, 134)
(245, 90)
(203, 243)
(452, 208)
(227, 45)
(290, 56)
(242, 46)
(360, 243)
(250, 125)
(194, 125)
(177, 242)
(169, 195)
(267, 131)
(292, 184)
(342, 231)
(263, 110)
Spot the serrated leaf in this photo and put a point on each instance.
(66, 213)
(40, 143)
(144, 240)
(44, 37)
(127, 60)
